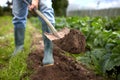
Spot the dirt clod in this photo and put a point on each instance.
(73, 42)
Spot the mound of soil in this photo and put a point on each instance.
(73, 42)
(65, 68)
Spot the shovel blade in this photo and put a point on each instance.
(61, 34)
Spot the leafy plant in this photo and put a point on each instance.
(103, 42)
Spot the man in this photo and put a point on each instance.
(20, 12)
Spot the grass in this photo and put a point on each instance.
(15, 67)
(36, 23)
(5, 25)
(6, 37)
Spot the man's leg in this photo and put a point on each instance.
(47, 10)
(20, 12)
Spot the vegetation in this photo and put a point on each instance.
(60, 7)
(103, 43)
(1, 11)
(102, 47)
(5, 11)
(12, 68)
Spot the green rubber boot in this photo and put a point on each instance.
(48, 48)
(19, 33)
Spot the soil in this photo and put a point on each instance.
(73, 42)
(65, 68)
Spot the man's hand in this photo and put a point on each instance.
(34, 4)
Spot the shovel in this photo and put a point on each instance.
(54, 35)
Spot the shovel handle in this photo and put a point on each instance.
(54, 31)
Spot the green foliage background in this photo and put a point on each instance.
(1, 11)
(60, 7)
(5, 11)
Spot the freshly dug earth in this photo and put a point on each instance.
(73, 42)
(65, 68)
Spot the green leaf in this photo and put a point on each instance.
(116, 49)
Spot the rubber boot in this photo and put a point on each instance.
(19, 33)
(48, 48)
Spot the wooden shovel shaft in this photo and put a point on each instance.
(54, 31)
(51, 27)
